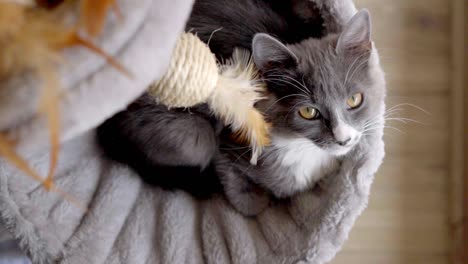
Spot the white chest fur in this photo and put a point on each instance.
(305, 162)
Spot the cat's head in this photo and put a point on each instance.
(328, 90)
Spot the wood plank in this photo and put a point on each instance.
(429, 75)
(459, 177)
(357, 257)
(419, 200)
(404, 174)
(464, 85)
(433, 6)
(458, 134)
(426, 140)
(402, 220)
(398, 241)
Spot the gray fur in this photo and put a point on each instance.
(267, 50)
(170, 148)
(168, 137)
(321, 73)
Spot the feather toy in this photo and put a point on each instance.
(32, 35)
(230, 89)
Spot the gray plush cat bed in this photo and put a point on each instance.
(129, 222)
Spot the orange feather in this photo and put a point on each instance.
(93, 14)
(31, 39)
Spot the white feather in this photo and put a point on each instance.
(233, 100)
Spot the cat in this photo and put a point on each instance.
(321, 94)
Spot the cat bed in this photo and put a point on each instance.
(129, 222)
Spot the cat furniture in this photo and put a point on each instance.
(129, 222)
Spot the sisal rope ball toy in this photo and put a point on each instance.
(230, 89)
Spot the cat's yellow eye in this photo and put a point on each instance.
(355, 100)
(309, 113)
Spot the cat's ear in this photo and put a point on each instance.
(269, 53)
(356, 35)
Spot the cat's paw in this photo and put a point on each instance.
(303, 207)
(248, 201)
(245, 196)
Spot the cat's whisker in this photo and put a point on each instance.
(293, 108)
(247, 169)
(302, 85)
(387, 133)
(369, 132)
(389, 116)
(235, 148)
(375, 122)
(371, 125)
(412, 105)
(372, 128)
(394, 111)
(372, 122)
(350, 67)
(358, 68)
(282, 98)
(302, 89)
(264, 157)
(394, 128)
(392, 115)
(281, 81)
(292, 79)
(241, 156)
(381, 127)
(212, 34)
(395, 108)
(373, 119)
(404, 120)
(368, 125)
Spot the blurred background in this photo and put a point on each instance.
(415, 210)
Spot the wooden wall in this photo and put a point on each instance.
(459, 190)
(461, 23)
(408, 218)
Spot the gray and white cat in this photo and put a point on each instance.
(323, 93)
